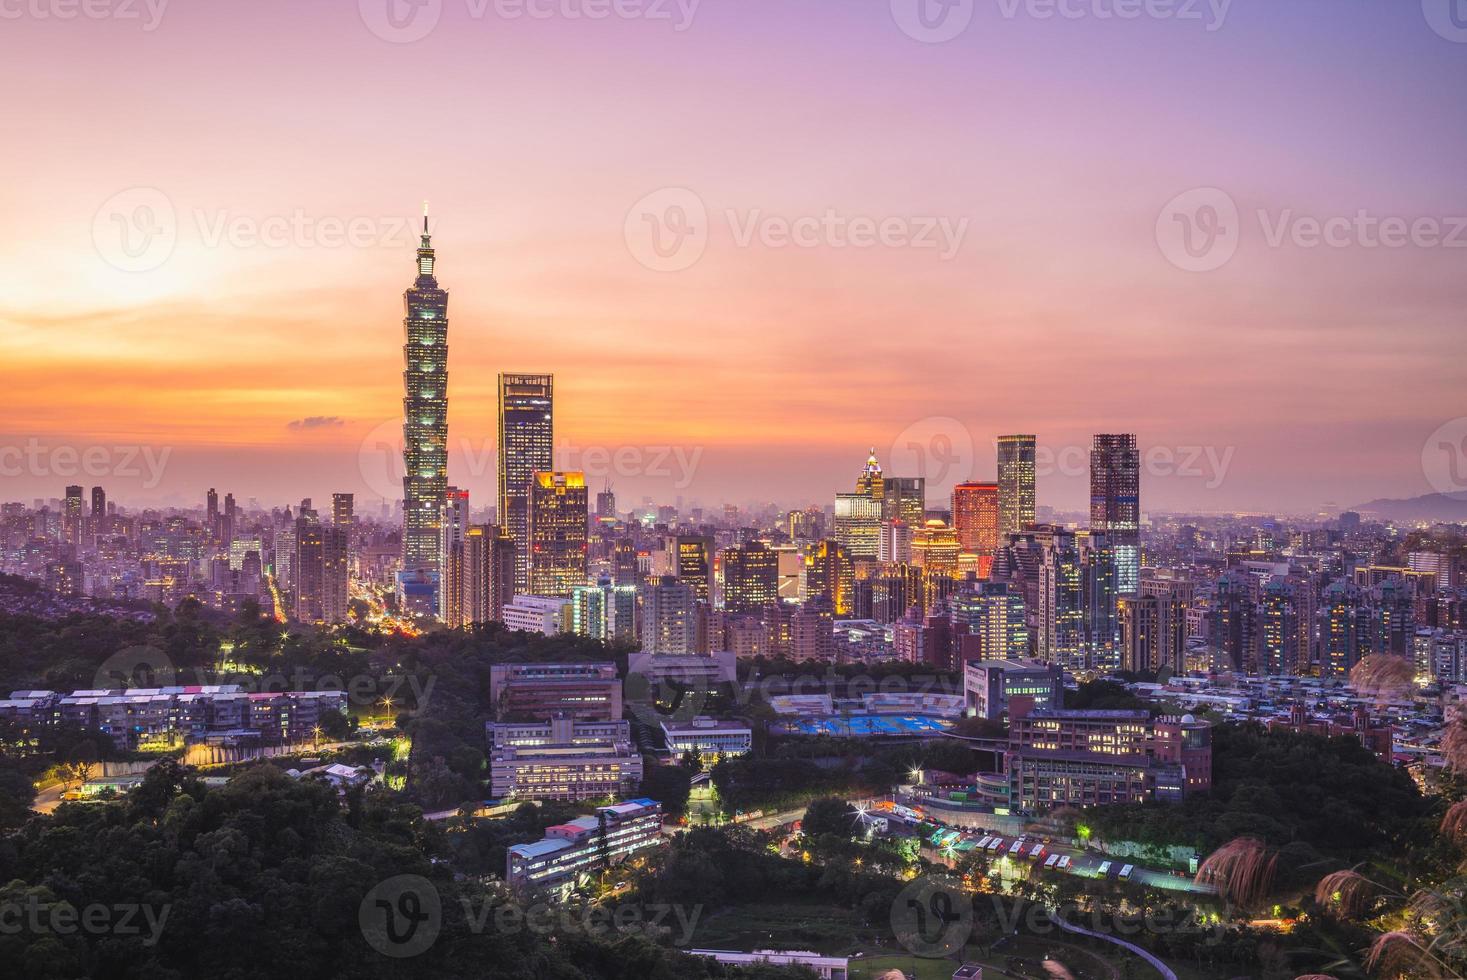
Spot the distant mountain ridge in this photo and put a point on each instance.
(1429, 507)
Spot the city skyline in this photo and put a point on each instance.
(773, 364)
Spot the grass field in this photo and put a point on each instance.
(868, 967)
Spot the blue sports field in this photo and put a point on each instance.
(859, 725)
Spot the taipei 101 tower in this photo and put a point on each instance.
(425, 412)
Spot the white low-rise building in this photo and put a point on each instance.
(708, 737)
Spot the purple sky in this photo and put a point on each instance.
(895, 243)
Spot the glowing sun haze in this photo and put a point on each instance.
(265, 366)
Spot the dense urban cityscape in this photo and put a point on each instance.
(903, 490)
(1043, 675)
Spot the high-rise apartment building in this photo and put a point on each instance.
(320, 572)
(1015, 485)
(605, 612)
(526, 447)
(750, 578)
(1115, 503)
(993, 614)
(669, 617)
(1175, 594)
(557, 533)
(1060, 613)
(1100, 630)
(489, 567)
(453, 524)
(425, 413)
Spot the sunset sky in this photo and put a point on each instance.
(272, 368)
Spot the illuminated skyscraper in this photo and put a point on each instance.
(858, 515)
(557, 532)
(870, 481)
(425, 413)
(1115, 504)
(935, 548)
(691, 560)
(905, 499)
(526, 447)
(830, 576)
(976, 517)
(1015, 485)
(453, 523)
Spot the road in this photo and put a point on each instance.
(775, 820)
(1146, 955)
